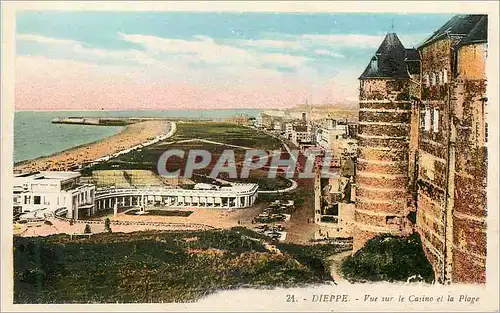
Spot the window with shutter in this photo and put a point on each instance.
(427, 120)
(426, 80)
(435, 123)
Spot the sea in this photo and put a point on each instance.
(35, 136)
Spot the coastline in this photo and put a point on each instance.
(131, 135)
(24, 162)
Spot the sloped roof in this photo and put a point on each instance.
(478, 34)
(412, 55)
(389, 60)
(457, 25)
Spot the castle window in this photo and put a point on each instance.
(435, 123)
(427, 125)
(433, 79)
(426, 80)
(422, 119)
(485, 132)
(445, 76)
(440, 78)
(374, 64)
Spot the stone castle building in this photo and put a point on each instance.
(382, 174)
(423, 147)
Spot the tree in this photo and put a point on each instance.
(87, 229)
(107, 225)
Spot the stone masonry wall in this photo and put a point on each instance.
(432, 152)
(382, 171)
(469, 215)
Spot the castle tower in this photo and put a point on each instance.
(469, 229)
(382, 178)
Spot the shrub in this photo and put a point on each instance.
(388, 258)
(87, 229)
(107, 225)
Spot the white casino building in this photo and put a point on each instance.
(52, 190)
(61, 191)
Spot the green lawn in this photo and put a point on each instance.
(226, 133)
(147, 158)
(156, 266)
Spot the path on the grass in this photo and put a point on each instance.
(335, 264)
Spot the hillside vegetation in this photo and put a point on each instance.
(388, 258)
(157, 266)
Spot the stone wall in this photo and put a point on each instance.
(382, 164)
(433, 152)
(470, 211)
(452, 162)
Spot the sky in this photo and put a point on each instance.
(96, 60)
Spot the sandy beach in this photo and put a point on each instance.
(131, 136)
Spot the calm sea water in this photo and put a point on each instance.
(36, 136)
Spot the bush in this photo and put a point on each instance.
(412, 216)
(107, 224)
(388, 258)
(299, 201)
(87, 229)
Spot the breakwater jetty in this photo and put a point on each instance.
(119, 121)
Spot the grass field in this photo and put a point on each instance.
(227, 133)
(157, 266)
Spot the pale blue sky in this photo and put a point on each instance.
(319, 52)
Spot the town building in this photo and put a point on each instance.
(423, 147)
(334, 207)
(328, 131)
(352, 130)
(50, 191)
(264, 120)
(301, 135)
(288, 130)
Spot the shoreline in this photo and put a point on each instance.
(83, 145)
(132, 135)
